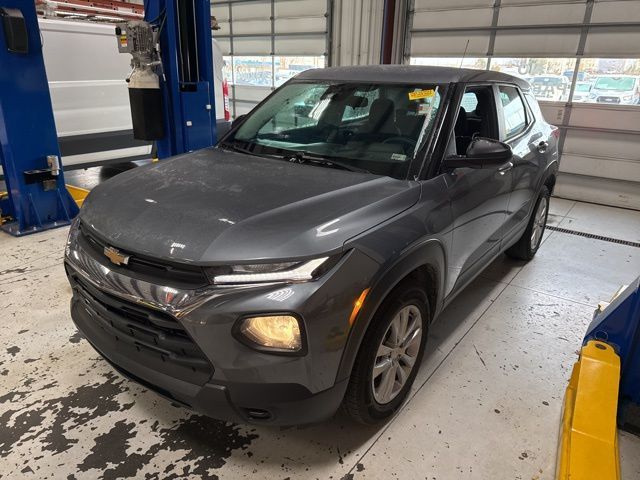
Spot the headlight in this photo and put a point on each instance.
(627, 98)
(268, 272)
(274, 332)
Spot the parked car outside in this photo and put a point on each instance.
(581, 92)
(297, 267)
(551, 87)
(616, 89)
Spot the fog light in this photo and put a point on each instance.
(278, 332)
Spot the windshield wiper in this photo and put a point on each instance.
(306, 157)
(236, 148)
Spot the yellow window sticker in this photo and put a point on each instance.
(418, 94)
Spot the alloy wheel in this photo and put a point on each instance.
(539, 223)
(396, 354)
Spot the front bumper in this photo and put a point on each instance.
(279, 404)
(179, 342)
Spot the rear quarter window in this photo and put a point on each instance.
(534, 106)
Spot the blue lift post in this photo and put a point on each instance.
(37, 198)
(619, 326)
(171, 84)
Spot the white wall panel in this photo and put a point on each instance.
(605, 191)
(450, 4)
(541, 14)
(506, 3)
(249, 92)
(453, 18)
(610, 117)
(301, 45)
(251, 11)
(241, 108)
(357, 27)
(608, 42)
(220, 11)
(604, 144)
(624, 11)
(252, 27)
(300, 8)
(449, 44)
(300, 24)
(601, 167)
(223, 29)
(224, 44)
(539, 43)
(252, 45)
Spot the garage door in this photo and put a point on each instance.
(266, 42)
(582, 58)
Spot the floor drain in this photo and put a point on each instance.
(596, 237)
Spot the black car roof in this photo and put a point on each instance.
(409, 74)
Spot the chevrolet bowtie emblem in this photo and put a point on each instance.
(116, 256)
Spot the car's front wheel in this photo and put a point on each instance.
(389, 357)
(527, 246)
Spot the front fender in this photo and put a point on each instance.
(424, 253)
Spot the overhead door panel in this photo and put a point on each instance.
(622, 11)
(452, 18)
(548, 42)
(540, 14)
(621, 42)
(449, 44)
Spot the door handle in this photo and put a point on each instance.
(505, 168)
(542, 146)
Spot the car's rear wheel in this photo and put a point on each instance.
(527, 246)
(389, 357)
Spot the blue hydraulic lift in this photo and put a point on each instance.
(171, 90)
(171, 84)
(36, 196)
(604, 391)
(618, 325)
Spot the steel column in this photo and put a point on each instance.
(37, 197)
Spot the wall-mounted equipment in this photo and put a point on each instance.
(171, 82)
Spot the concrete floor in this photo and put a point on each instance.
(486, 403)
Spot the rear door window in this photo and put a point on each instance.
(514, 113)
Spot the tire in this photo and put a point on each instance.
(364, 401)
(525, 248)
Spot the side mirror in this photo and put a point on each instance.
(481, 152)
(488, 151)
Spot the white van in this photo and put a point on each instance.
(89, 94)
(616, 90)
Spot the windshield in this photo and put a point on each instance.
(620, 84)
(583, 87)
(371, 127)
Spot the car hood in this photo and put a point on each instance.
(214, 206)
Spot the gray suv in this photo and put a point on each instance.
(298, 265)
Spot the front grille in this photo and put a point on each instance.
(170, 274)
(153, 338)
(608, 99)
